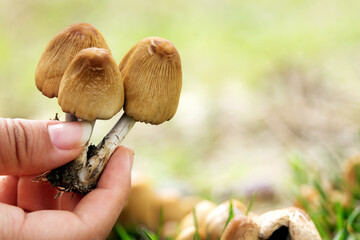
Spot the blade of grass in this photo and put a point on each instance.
(231, 216)
(298, 167)
(339, 216)
(150, 236)
(196, 235)
(161, 222)
(321, 191)
(351, 220)
(120, 230)
(341, 235)
(251, 203)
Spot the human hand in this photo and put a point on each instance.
(28, 210)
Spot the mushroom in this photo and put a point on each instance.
(241, 228)
(201, 210)
(149, 208)
(172, 206)
(139, 207)
(288, 223)
(152, 81)
(187, 233)
(217, 218)
(91, 88)
(59, 53)
(352, 171)
(152, 76)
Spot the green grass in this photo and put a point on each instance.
(230, 217)
(336, 210)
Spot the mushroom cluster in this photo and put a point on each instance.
(212, 223)
(78, 68)
(150, 207)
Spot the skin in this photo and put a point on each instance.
(27, 208)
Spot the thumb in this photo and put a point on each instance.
(32, 146)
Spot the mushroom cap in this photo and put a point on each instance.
(92, 86)
(139, 208)
(351, 170)
(152, 79)
(298, 222)
(216, 219)
(241, 228)
(186, 233)
(173, 205)
(201, 211)
(60, 51)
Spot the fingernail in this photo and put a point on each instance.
(69, 135)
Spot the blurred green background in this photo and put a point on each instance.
(261, 80)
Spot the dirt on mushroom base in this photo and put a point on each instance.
(66, 178)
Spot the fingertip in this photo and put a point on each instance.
(69, 135)
(29, 147)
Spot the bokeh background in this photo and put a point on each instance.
(263, 81)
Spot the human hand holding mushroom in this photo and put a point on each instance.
(151, 74)
(28, 209)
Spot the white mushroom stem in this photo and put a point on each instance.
(89, 175)
(82, 158)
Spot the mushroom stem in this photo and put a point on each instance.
(69, 117)
(65, 177)
(82, 158)
(82, 174)
(99, 156)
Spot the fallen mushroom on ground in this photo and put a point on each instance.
(288, 222)
(215, 221)
(152, 78)
(283, 224)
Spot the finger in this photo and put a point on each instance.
(31, 146)
(70, 200)
(34, 196)
(8, 189)
(47, 224)
(110, 194)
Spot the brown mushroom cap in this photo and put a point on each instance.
(152, 80)
(296, 220)
(216, 219)
(201, 211)
(241, 228)
(92, 86)
(59, 53)
(187, 233)
(351, 170)
(139, 208)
